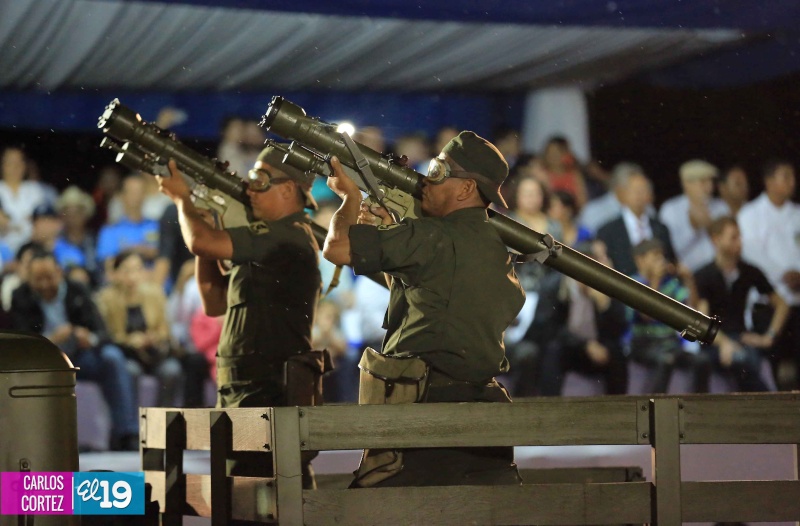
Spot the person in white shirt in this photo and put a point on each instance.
(770, 226)
(18, 197)
(688, 215)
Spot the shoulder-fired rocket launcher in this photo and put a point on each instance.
(317, 141)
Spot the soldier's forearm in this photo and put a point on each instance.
(337, 244)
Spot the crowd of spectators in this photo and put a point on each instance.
(105, 268)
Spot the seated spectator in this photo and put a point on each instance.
(634, 224)
(19, 272)
(724, 285)
(507, 140)
(6, 255)
(47, 227)
(77, 208)
(108, 186)
(64, 312)
(135, 313)
(688, 216)
(654, 343)
(131, 233)
(563, 172)
(734, 188)
(183, 302)
(770, 227)
(205, 332)
(416, 149)
(18, 197)
(563, 210)
(580, 329)
(608, 206)
(172, 251)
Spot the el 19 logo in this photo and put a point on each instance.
(108, 493)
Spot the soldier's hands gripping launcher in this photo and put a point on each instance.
(316, 141)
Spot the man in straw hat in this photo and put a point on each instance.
(269, 299)
(76, 208)
(453, 294)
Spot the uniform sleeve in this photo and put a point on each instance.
(402, 250)
(258, 240)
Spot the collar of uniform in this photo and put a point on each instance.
(474, 213)
(291, 218)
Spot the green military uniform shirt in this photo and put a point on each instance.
(272, 296)
(454, 291)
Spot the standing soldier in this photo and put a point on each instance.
(453, 294)
(269, 299)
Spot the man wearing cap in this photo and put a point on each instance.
(47, 227)
(689, 215)
(453, 294)
(269, 299)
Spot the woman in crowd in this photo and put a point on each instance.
(563, 172)
(563, 210)
(136, 316)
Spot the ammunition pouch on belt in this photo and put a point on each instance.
(387, 380)
(390, 379)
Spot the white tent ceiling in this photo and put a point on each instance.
(87, 44)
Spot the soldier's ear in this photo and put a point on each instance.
(468, 188)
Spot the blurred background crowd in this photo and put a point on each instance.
(121, 242)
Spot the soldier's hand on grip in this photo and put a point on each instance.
(340, 183)
(173, 187)
(373, 214)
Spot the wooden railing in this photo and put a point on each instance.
(663, 422)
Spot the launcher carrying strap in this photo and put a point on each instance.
(373, 187)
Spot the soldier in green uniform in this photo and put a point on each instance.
(453, 294)
(270, 296)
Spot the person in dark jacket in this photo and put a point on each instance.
(580, 329)
(63, 311)
(634, 225)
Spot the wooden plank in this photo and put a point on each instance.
(666, 454)
(252, 497)
(221, 446)
(596, 422)
(741, 501)
(288, 471)
(742, 420)
(174, 480)
(529, 476)
(557, 504)
(250, 430)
